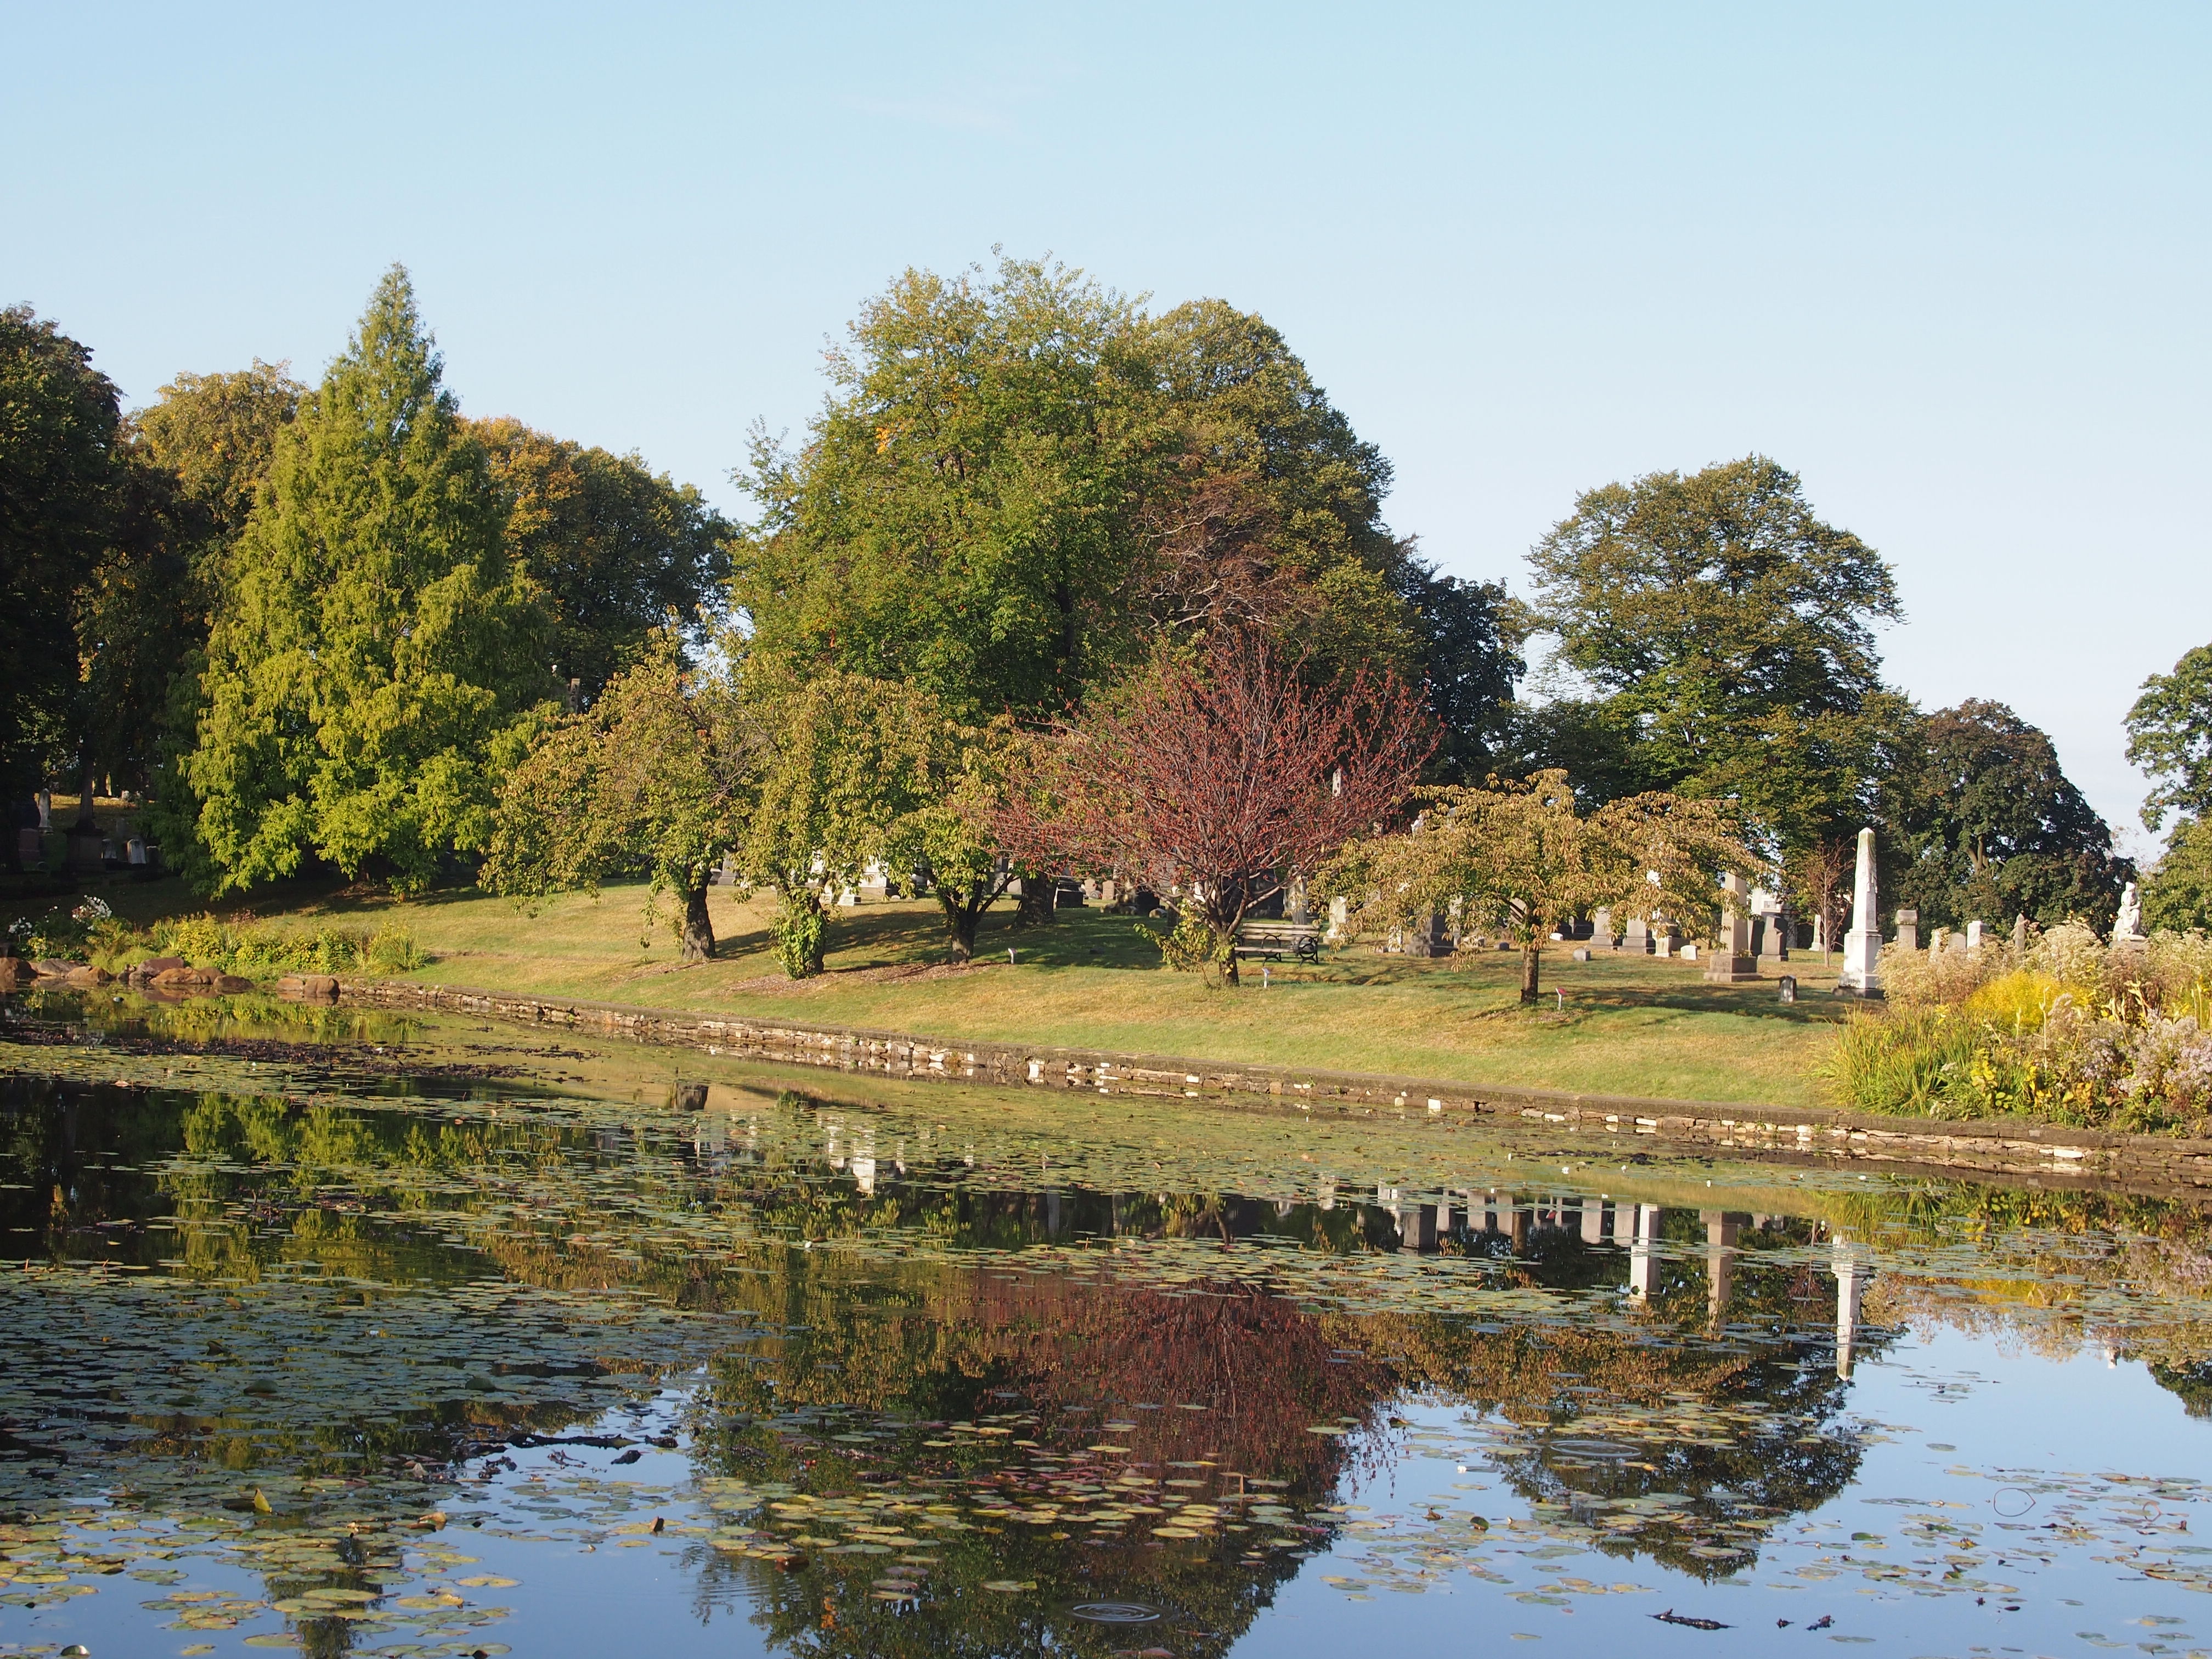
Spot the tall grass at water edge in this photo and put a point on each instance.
(250, 949)
(2064, 1028)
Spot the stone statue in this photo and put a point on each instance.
(2129, 926)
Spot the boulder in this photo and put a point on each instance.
(89, 976)
(14, 971)
(49, 968)
(154, 967)
(184, 979)
(308, 988)
(230, 985)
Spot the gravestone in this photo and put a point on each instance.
(1636, 940)
(1602, 929)
(1937, 940)
(1861, 974)
(45, 811)
(1689, 953)
(1297, 907)
(1732, 961)
(2020, 935)
(1908, 930)
(1340, 920)
(1580, 955)
(1662, 936)
(1958, 943)
(1788, 984)
(1973, 936)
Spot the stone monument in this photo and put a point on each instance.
(1732, 962)
(1862, 970)
(1908, 930)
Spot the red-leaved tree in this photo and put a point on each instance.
(1223, 782)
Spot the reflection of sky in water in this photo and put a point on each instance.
(1991, 1458)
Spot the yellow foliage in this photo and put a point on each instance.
(2018, 1001)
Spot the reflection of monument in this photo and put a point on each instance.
(1643, 1263)
(1721, 1231)
(1851, 1276)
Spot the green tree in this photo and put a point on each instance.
(840, 773)
(1525, 860)
(961, 513)
(374, 657)
(2170, 738)
(1731, 630)
(616, 548)
(1986, 825)
(58, 439)
(660, 775)
(217, 434)
(2178, 893)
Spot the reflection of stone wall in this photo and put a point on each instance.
(2154, 1163)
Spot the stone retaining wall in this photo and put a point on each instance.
(2048, 1154)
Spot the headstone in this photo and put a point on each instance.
(1428, 938)
(1789, 983)
(2128, 929)
(1580, 954)
(30, 847)
(1957, 942)
(1690, 953)
(1862, 971)
(1602, 929)
(2020, 935)
(45, 811)
(1973, 936)
(1637, 939)
(1908, 930)
(1340, 920)
(1732, 961)
(134, 852)
(1937, 940)
(1662, 936)
(1298, 904)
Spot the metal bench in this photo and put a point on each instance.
(1276, 939)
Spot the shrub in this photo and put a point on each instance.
(258, 951)
(2068, 1028)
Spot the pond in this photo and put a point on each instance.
(357, 1334)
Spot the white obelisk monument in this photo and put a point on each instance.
(1862, 973)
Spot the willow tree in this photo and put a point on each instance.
(1524, 860)
(374, 658)
(659, 777)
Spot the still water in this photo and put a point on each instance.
(354, 1334)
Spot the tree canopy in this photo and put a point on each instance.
(58, 442)
(1729, 628)
(1525, 860)
(1985, 824)
(373, 646)
(617, 549)
(2170, 738)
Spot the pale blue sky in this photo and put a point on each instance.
(1947, 261)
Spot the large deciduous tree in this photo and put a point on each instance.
(1223, 782)
(1525, 860)
(58, 441)
(617, 549)
(216, 433)
(374, 656)
(1730, 632)
(1985, 823)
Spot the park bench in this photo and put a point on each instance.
(1276, 939)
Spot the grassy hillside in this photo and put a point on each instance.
(1630, 1026)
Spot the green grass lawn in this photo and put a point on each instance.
(1622, 1025)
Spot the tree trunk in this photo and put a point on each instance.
(1531, 954)
(698, 927)
(961, 918)
(84, 816)
(1034, 908)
